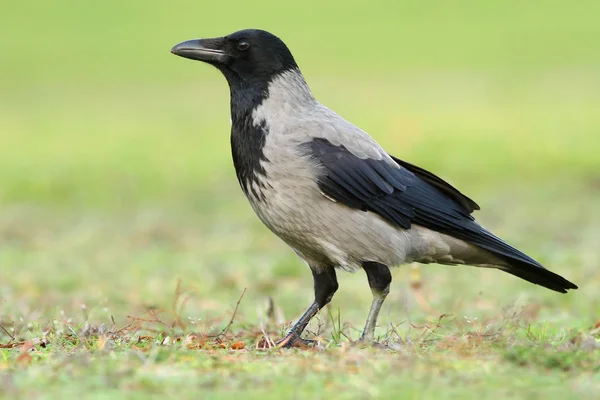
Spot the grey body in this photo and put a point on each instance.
(321, 231)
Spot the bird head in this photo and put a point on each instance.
(244, 57)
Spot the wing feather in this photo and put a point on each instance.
(403, 197)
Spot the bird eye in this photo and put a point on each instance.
(243, 45)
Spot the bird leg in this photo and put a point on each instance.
(325, 287)
(379, 277)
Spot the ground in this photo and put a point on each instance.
(132, 266)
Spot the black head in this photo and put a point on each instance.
(250, 55)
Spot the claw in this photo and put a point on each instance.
(293, 340)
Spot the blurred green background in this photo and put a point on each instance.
(116, 181)
(115, 169)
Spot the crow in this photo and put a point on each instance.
(331, 192)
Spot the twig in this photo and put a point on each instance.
(147, 320)
(178, 293)
(427, 331)
(154, 313)
(270, 309)
(133, 320)
(72, 330)
(270, 343)
(226, 329)
(395, 330)
(346, 336)
(181, 306)
(7, 332)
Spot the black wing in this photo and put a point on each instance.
(439, 183)
(405, 194)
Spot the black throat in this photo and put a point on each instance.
(248, 139)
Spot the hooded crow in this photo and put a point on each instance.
(331, 192)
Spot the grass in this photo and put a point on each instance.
(125, 243)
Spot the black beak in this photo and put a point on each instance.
(207, 50)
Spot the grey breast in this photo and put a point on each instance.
(293, 207)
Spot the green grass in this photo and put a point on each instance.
(116, 183)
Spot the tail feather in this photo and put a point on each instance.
(516, 262)
(538, 275)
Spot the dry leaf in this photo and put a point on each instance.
(264, 344)
(195, 342)
(101, 342)
(24, 359)
(28, 345)
(238, 345)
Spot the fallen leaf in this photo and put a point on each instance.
(238, 345)
(24, 359)
(264, 344)
(195, 342)
(28, 345)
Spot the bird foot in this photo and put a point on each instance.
(293, 340)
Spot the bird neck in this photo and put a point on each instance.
(290, 90)
(284, 89)
(255, 109)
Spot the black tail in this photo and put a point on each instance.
(538, 275)
(517, 263)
